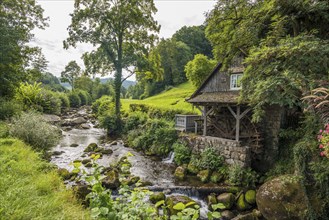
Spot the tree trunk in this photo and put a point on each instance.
(117, 91)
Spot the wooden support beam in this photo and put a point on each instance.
(237, 126)
(205, 120)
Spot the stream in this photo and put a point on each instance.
(158, 172)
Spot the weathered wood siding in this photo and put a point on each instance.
(220, 82)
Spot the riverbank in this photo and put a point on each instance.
(30, 188)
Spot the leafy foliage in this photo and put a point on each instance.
(209, 159)
(71, 72)
(35, 131)
(239, 176)
(182, 153)
(198, 69)
(75, 100)
(9, 108)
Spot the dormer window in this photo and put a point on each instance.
(236, 81)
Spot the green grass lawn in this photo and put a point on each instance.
(171, 99)
(30, 188)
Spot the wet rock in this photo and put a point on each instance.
(67, 128)
(74, 145)
(204, 175)
(241, 204)
(88, 165)
(125, 168)
(85, 126)
(255, 215)
(156, 197)
(85, 161)
(111, 180)
(171, 201)
(192, 169)
(146, 183)
(282, 198)
(91, 147)
(106, 151)
(53, 119)
(211, 200)
(250, 197)
(78, 120)
(56, 153)
(227, 199)
(180, 173)
(227, 215)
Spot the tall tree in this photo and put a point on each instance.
(122, 31)
(199, 68)
(17, 20)
(195, 38)
(71, 73)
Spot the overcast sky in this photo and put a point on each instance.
(171, 15)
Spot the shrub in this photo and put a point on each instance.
(110, 122)
(84, 97)
(49, 102)
(239, 176)
(29, 95)
(4, 130)
(182, 153)
(65, 102)
(133, 120)
(101, 105)
(74, 98)
(210, 159)
(9, 108)
(34, 130)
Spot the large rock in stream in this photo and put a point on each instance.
(171, 201)
(282, 198)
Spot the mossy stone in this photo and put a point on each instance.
(180, 173)
(106, 151)
(171, 201)
(241, 204)
(211, 200)
(227, 199)
(64, 173)
(204, 175)
(74, 145)
(89, 164)
(112, 179)
(85, 161)
(250, 197)
(91, 147)
(156, 197)
(216, 177)
(192, 169)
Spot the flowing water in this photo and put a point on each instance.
(158, 172)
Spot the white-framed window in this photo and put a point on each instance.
(235, 82)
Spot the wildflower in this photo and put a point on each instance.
(321, 146)
(322, 153)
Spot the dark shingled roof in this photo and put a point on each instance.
(229, 97)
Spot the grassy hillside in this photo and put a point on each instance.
(30, 188)
(171, 99)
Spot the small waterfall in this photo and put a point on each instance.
(170, 158)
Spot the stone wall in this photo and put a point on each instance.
(229, 149)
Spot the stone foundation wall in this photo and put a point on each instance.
(229, 149)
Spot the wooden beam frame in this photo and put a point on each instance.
(238, 116)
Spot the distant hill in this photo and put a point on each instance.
(173, 98)
(125, 84)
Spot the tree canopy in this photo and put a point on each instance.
(17, 20)
(122, 31)
(71, 73)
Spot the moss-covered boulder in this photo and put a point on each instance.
(241, 204)
(204, 175)
(91, 147)
(106, 151)
(211, 200)
(216, 177)
(111, 180)
(192, 169)
(85, 161)
(227, 199)
(156, 197)
(171, 201)
(282, 198)
(74, 145)
(250, 197)
(180, 173)
(64, 173)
